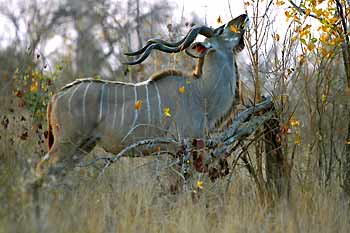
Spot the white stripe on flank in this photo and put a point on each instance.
(84, 102)
(115, 106)
(107, 101)
(70, 98)
(135, 117)
(148, 105)
(136, 111)
(101, 102)
(123, 106)
(58, 96)
(159, 103)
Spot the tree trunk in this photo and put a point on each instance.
(347, 159)
(346, 57)
(277, 174)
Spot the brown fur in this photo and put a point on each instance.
(198, 70)
(167, 73)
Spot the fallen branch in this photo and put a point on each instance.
(216, 147)
(240, 134)
(147, 142)
(240, 119)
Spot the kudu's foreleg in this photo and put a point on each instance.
(63, 156)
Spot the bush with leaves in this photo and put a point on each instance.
(34, 87)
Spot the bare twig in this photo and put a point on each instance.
(303, 11)
(148, 142)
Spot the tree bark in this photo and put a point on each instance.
(277, 175)
(347, 159)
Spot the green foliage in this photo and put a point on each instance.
(34, 89)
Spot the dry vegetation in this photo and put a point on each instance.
(130, 197)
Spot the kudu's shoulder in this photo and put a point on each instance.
(168, 73)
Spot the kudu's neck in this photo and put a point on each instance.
(217, 73)
(217, 87)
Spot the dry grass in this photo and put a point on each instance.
(129, 200)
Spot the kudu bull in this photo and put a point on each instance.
(112, 114)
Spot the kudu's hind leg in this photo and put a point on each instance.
(63, 156)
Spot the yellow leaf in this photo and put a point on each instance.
(307, 12)
(336, 41)
(311, 46)
(182, 89)
(307, 26)
(324, 52)
(297, 140)
(340, 40)
(279, 2)
(333, 20)
(318, 12)
(324, 37)
(247, 3)
(219, 20)
(200, 184)
(324, 28)
(34, 87)
(294, 122)
(287, 14)
(277, 37)
(35, 74)
(167, 112)
(138, 105)
(234, 29)
(305, 31)
(296, 18)
(324, 98)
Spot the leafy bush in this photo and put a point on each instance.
(34, 89)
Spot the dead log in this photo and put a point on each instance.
(218, 147)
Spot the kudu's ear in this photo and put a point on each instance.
(198, 49)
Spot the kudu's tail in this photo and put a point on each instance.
(50, 138)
